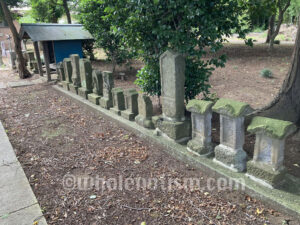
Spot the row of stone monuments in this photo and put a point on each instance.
(266, 167)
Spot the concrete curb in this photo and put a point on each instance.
(286, 199)
(18, 204)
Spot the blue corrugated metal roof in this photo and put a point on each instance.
(53, 32)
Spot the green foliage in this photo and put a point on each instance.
(88, 49)
(27, 18)
(47, 11)
(266, 73)
(92, 14)
(190, 27)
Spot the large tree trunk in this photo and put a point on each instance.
(271, 27)
(67, 11)
(23, 72)
(286, 105)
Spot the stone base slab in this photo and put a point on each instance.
(116, 111)
(83, 92)
(196, 146)
(106, 103)
(73, 88)
(233, 159)
(263, 173)
(65, 85)
(128, 115)
(94, 98)
(177, 131)
(144, 122)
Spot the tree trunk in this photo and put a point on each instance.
(286, 105)
(23, 72)
(271, 28)
(67, 11)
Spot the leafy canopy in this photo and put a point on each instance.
(191, 27)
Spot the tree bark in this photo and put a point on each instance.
(280, 20)
(67, 11)
(271, 27)
(286, 105)
(23, 72)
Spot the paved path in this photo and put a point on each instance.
(18, 205)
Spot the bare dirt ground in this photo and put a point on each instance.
(53, 136)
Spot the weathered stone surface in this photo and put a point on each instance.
(273, 128)
(73, 88)
(267, 164)
(230, 152)
(145, 110)
(131, 104)
(75, 70)
(60, 71)
(118, 100)
(231, 108)
(97, 82)
(172, 71)
(108, 84)
(94, 98)
(201, 127)
(86, 78)
(68, 69)
(65, 85)
(35, 68)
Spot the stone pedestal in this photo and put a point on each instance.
(35, 66)
(68, 73)
(86, 78)
(60, 71)
(201, 127)
(118, 101)
(267, 164)
(230, 152)
(173, 123)
(145, 109)
(131, 104)
(76, 82)
(30, 56)
(108, 84)
(97, 87)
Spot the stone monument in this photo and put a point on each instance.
(267, 164)
(108, 84)
(145, 109)
(131, 104)
(97, 87)
(85, 78)
(118, 100)
(173, 122)
(68, 73)
(76, 83)
(201, 127)
(230, 152)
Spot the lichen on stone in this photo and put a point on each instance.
(231, 107)
(199, 106)
(117, 90)
(273, 128)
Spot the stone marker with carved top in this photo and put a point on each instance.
(108, 84)
(173, 122)
(97, 87)
(85, 68)
(145, 109)
(68, 73)
(131, 104)
(267, 164)
(201, 127)
(230, 152)
(76, 83)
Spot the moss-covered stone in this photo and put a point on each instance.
(199, 106)
(196, 146)
(273, 128)
(231, 108)
(266, 173)
(117, 90)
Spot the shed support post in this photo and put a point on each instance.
(47, 60)
(38, 57)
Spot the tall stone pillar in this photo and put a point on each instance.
(97, 87)
(86, 78)
(68, 73)
(173, 122)
(108, 84)
(76, 82)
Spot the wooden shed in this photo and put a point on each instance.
(58, 41)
